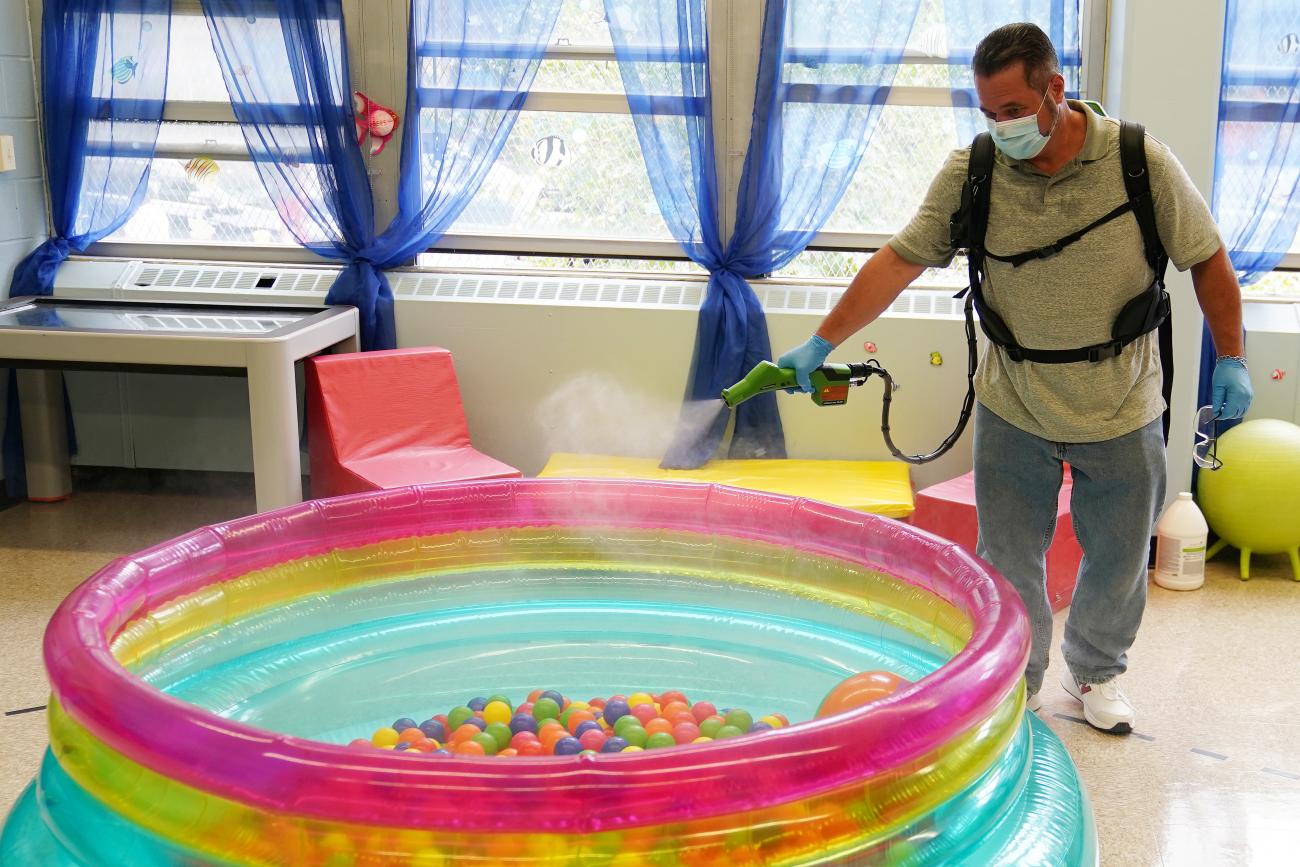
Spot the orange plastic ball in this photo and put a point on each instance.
(468, 748)
(858, 690)
(410, 736)
(577, 718)
(658, 726)
(464, 733)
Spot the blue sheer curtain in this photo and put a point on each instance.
(471, 64)
(103, 81)
(969, 21)
(1257, 163)
(1257, 160)
(285, 65)
(824, 72)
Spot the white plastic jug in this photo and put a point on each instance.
(1180, 545)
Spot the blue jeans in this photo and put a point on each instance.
(1119, 489)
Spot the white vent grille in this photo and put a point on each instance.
(293, 284)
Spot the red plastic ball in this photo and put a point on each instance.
(592, 740)
(703, 710)
(645, 713)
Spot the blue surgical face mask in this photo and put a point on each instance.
(1020, 138)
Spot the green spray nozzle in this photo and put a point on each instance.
(830, 382)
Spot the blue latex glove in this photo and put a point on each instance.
(805, 358)
(1231, 392)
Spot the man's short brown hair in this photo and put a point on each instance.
(1022, 42)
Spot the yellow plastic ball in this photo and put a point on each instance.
(631, 749)
(497, 712)
(637, 698)
(384, 737)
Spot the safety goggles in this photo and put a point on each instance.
(1207, 439)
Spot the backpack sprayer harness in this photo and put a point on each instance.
(967, 229)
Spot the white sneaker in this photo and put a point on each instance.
(1033, 701)
(1105, 706)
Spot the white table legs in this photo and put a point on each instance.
(273, 413)
(45, 434)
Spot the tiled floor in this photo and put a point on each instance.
(1211, 777)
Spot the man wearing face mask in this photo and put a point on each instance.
(1057, 169)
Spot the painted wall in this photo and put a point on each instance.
(22, 192)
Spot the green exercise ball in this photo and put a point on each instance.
(1253, 500)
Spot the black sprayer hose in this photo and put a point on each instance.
(972, 362)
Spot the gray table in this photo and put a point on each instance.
(42, 336)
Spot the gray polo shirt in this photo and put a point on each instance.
(1072, 299)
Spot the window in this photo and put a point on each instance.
(571, 177)
(203, 188)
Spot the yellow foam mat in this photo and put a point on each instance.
(879, 487)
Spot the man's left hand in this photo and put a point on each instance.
(1231, 394)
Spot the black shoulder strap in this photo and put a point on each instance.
(979, 177)
(1137, 182)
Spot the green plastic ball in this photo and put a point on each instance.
(546, 708)
(458, 716)
(487, 742)
(501, 733)
(740, 718)
(660, 740)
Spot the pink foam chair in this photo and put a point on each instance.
(386, 419)
(948, 510)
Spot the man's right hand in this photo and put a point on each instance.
(805, 358)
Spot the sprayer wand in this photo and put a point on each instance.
(831, 384)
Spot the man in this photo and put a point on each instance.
(1056, 170)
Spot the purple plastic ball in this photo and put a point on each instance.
(761, 726)
(523, 722)
(616, 710)
(553, 696)
(401, 748)
(440, 752)
(477, 721)
(434, 730)
(614, 745)
(403, 724)
(477, 704)
(568, 747)
(586, 727)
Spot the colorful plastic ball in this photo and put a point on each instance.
(577, 718)
(497, 712)
(409, 735)
(534, 695)
(587, 752)
(477, 721)
(702, 740)
(359, 742)
(632, 749)
(728, 732)
(636, 736)
(507, 753)
(660, 740)
(487, 742)
(501, 698)
(499, 732)
(401, 747)
(586, 727)
(702, 710)
(424, 745)
(612, 745)
(457, 716)
(384, 737)
(442, 751)
(781, 719)
(469, 748)
(523, 723)
(569, 746)
(761, 726)
(709, 726)
(658, 726)
(625, 723)
(673, 707)
(476, 704)
(404, 723)
(552, 695)
(546, 708)
(592, 740)
(637, 698)
(526, 708)
(685, 733)
(524, 738)
(773, 721)
(434, 730)
(682, 717)
(615, 709)
(667, 698)
(644, 712)
(739, 718)
(531, 748)
(860, 689)
(465, 732)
